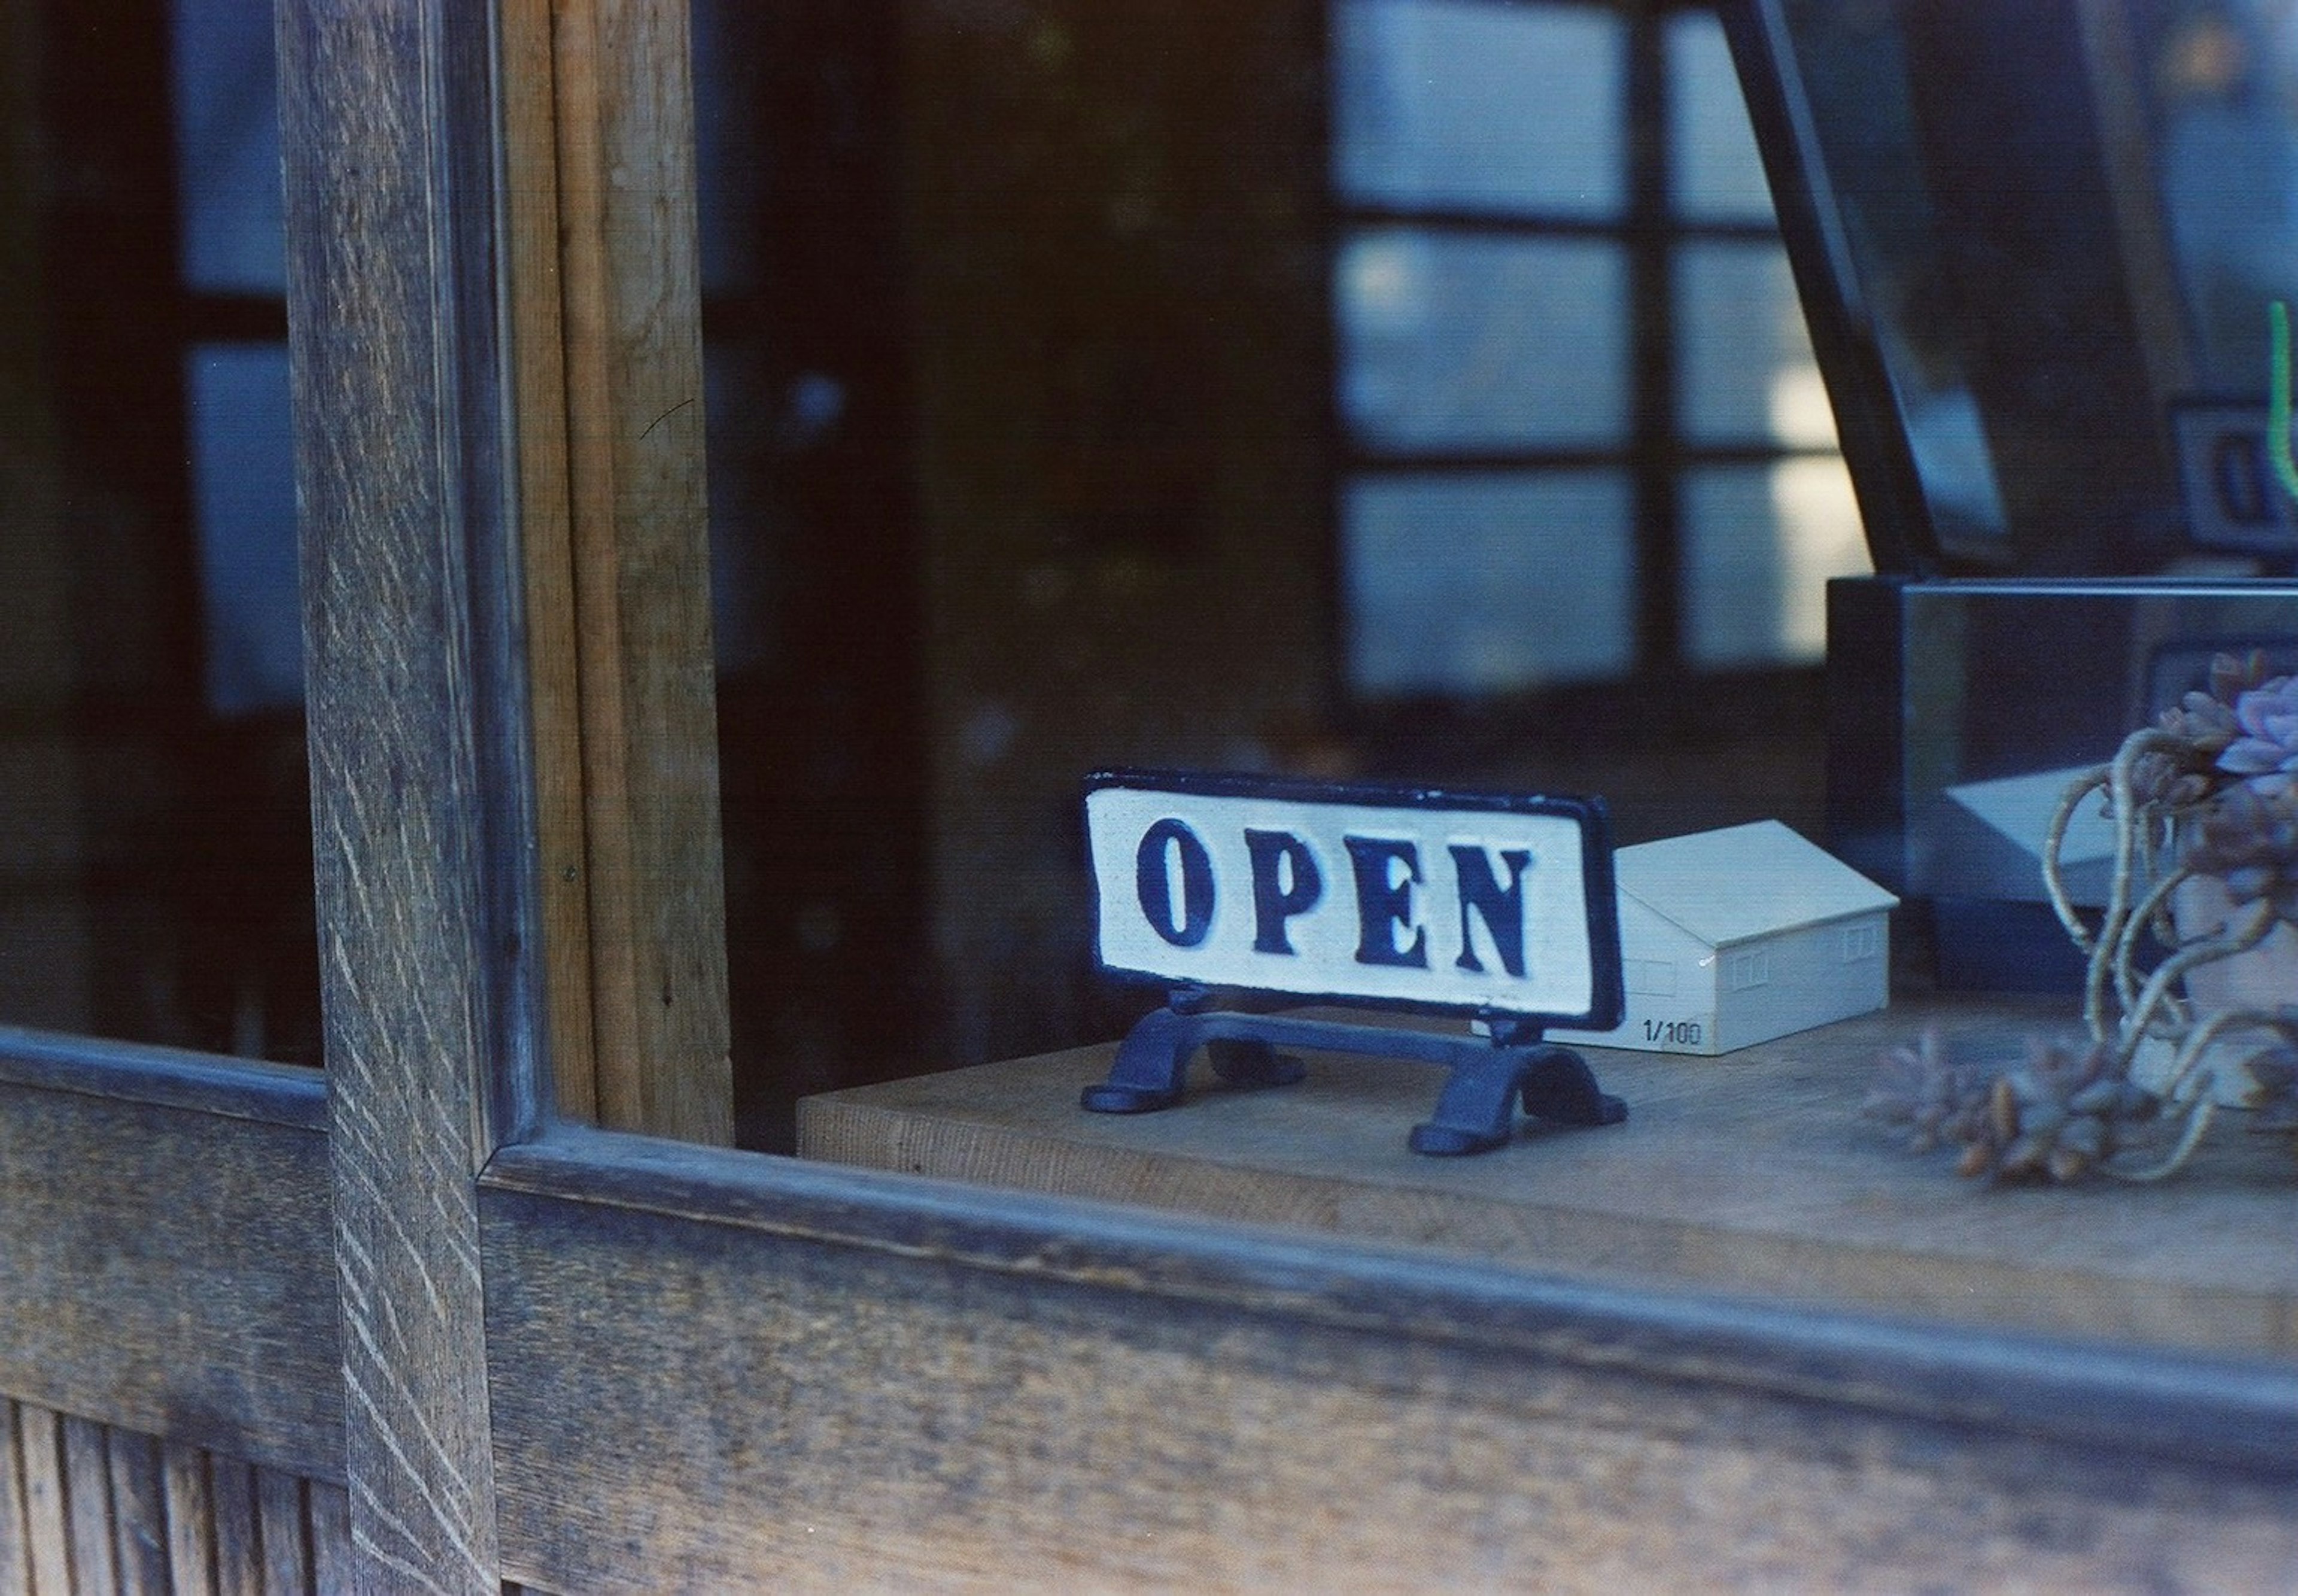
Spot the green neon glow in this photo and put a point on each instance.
(2278, 404)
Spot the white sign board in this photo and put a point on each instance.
(1477, 902)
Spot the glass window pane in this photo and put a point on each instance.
(1759, 544)
(727, 146)
(1451, 103)
(1464, 342)
(1713, 164)
(1487, 583)
(244, 503)
(228, 148)
(1746, 374)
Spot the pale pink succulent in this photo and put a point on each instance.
(2266, 753)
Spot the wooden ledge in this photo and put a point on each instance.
(1752, 1175)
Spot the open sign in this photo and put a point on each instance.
(1486, 903)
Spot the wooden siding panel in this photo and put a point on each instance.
(167, 1258)
(701, 1383)
(46, 1518)
(88, 1506)
(191, 1518)
(15, 1554)
(331, 1540)
(285, 1531)
(102, 1509)
(238, 1542)
(633, 408)
(139, 1512)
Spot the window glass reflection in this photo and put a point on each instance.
(1760, 544)
(1714, 171)
(1467, 103)
(1746, 372)
(228, 148)
(155, 868)
(2225, 82)
(243, 504)
(1497, 583)
(1465, 343)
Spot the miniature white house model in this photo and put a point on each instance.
(1734, 936)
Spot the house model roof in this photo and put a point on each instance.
(1743, 883)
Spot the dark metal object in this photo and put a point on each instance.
(1475, 1114)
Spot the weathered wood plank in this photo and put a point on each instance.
(139, 1511)
(46, 1517)
(1752, 1174)
(710, 1370)
(531, 219)
(331, 1540)
(284, 1531)
(120, 1511)
(169, 1268)
(238, 1536)
(164, 1077)
(605, 287)
(422, 787)
(88, 1502)
(191, 1518)
(15, 1554)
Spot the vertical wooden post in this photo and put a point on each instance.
(607, 350)
(418, 744)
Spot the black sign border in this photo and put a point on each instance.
(1607, 983)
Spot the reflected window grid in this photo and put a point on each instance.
(232, 262)
(1530, 299)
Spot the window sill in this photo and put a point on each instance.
(1749, 1176)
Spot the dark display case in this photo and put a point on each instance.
(2039, 248)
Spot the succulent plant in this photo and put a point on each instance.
(2266, 753)
(2203, 726)
(1936, 1098)
(2210, 789)
(2274, 1103)
(2248, 839)
(2057, 1116)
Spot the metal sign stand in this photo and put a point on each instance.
(1474, 1112)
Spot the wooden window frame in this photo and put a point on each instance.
(589, 1358)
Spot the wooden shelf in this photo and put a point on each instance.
(1752, 1175)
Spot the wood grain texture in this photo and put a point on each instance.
(331, 1571)
(47, 1524)
(139, 1511)
(113, 1509)
(537, 321)
(238, 1536)
(607, 328)
(422, 790)
(88, 1506)
(709, 1371)
(15, 1548)
(283, 1527)
(191, 1518)
(165, 1248)
(1752, 1174)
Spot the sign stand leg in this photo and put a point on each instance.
(1475, 1114)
